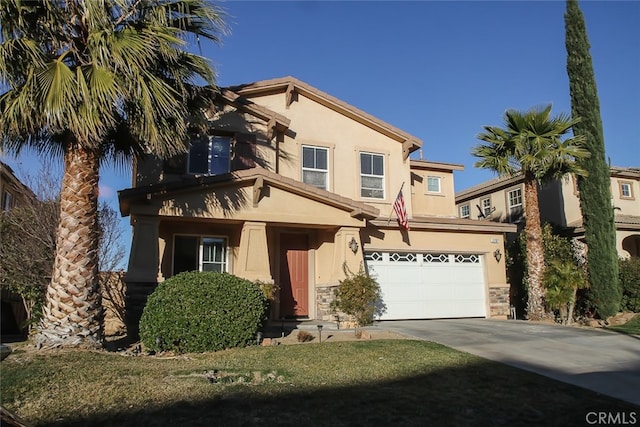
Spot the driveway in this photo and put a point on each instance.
(602, 361)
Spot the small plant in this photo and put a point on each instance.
(359, 295)
(269, 289)
(202, 311)
(561, 281)
(304, 336)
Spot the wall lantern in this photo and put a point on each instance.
(497, 255)
(353, 245)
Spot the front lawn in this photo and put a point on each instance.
(377, 383)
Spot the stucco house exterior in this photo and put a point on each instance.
(291, 183)
(501, 200)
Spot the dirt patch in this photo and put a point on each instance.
(301, 336)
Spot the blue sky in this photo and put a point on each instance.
(438, 70)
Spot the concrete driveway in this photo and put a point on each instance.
(602, 361)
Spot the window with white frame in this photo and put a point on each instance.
(315, 166)
(626, 191)
(372, 175)
(210, 155)
(464, 211)
(485, 205)
(199, 253)
(514, 197)
(433, 184)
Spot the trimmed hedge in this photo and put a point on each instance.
(202, 311)
(630, 284)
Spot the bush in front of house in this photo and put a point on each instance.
(202, 311)
(630, 284)
(359, 295)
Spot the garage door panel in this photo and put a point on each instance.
(430, 285)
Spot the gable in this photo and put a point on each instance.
(282, 95)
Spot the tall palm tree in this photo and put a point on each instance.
(96, 80)
(531, 143)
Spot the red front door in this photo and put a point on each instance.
(294, 275)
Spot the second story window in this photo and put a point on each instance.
(626, 191)
(372, 175)
(433, 184)
(464, 211)
(210, 155)
(315, 166)
(515, 202)
(7, 201)
(485, 206)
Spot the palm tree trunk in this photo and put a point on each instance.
(535, 251)
(73, 309)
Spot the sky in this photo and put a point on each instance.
(439, 70)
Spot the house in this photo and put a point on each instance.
(288, 185)
(13, 193)
(501, 200)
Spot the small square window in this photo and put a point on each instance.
(464, 211)
(626, 190)
(433, 184)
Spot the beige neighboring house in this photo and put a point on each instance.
(13, 193)
(501, 200)
(288, 185)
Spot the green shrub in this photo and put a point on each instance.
(202, 311)
(630, 284)
(359, 295)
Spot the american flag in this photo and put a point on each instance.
(401, 211)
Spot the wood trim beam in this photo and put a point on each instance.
(258, 185)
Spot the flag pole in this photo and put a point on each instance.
(392, 210)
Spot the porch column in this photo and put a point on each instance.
(253, 256)
(143, 273)
(144, 259)
(342, 252)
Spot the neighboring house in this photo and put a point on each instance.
(13, 193)
(502, 200)
(290, 184)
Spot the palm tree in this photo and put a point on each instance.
(95, 81)
(531, 144)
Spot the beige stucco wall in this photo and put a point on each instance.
(315, 124)
(427, 203)
(627, 206)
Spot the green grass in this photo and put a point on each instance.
(386, 382)
(631, 327)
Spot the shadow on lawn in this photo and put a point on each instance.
(482, 394)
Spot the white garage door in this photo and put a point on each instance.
(429, 286)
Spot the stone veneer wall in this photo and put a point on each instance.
(499, 302)
(324, 298)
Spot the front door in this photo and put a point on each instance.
(294, 275)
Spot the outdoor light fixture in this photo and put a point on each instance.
(320, 333)
(497, 255)
(353, 245)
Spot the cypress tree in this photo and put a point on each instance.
(595, 189)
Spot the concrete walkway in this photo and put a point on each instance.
(599, 360)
